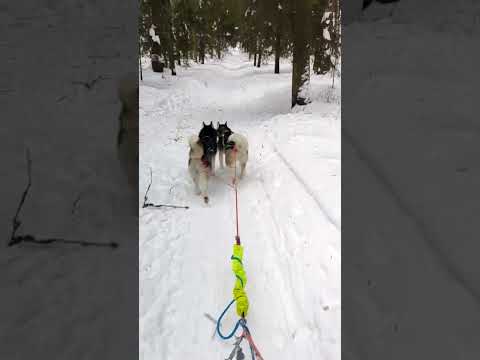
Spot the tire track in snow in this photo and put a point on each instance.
(426, 234)
(280, 235)
(261, 225)
(307, 188)
(285, 274)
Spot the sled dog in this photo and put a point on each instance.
(201, 158)
(208, 140)
(236, 149)
(223, 132)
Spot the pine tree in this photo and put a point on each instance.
(280, 31)
(187, 30)
(163, 28)
(144, 23)
(166, 8)
(250, 29)
(335, 36)
(321, 63)
(200, 29)
(302, 25)
(183, 19)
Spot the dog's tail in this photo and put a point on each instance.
(196, 150)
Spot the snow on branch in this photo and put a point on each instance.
(152, 34)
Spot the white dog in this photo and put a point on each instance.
(199, 168)
(236, 149)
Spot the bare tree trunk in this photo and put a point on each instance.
(156, 49)
(170, 46)
(171, 61)
(201, 50)
(162, 19)
(317, 61)
(156, 22)
(259, 50)
(277, 53)
(255, 59)
(165, 59)
(302, 26)
(333, 73)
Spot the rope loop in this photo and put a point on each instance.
(239, 322)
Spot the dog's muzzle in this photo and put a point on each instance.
(221, 140)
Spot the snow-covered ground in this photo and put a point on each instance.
(289, 203)
(63, 301)
(410, 170)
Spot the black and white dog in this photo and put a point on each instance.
(232, 147)
(201, 161)
(236, 150)
(223, 132)
(208, 139)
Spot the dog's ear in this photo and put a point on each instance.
(203, 122)
(211, 123)
(218, 124)
(225, 123)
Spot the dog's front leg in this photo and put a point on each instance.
(242, 171)
(203, 184)
(212, 161)
(221, 155)
(197, 188)
(194, 175)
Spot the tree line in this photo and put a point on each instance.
(178, 32)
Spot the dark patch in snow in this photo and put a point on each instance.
(395, 327)
(75, 203)
(61, 98)
(367, 3)
(17, 239)
(90, 84)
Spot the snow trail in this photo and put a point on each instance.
(289, 213)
